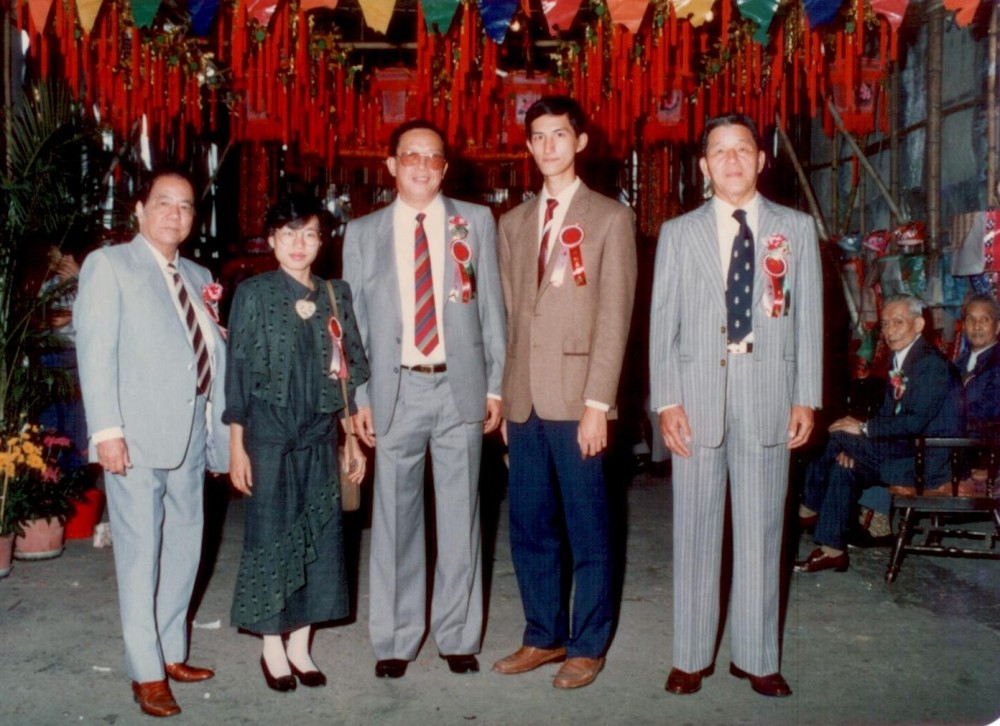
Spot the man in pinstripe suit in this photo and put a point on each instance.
(733, 399)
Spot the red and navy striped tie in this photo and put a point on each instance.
(194, 332)
(425, 328)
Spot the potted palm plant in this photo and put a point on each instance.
(49, 187)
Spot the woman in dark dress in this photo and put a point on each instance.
(283, 388)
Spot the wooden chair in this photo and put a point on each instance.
(963, 495)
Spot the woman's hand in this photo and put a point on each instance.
(356, 459)
(239, 461)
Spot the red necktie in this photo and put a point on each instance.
(543, 250)
(425, 332)
(194, 331)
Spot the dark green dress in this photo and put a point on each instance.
(277, 386)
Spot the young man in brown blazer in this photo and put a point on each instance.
(568, 271)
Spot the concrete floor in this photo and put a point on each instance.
(925, 651)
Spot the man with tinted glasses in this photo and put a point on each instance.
(423, 272)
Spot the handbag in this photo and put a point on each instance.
(350, 493)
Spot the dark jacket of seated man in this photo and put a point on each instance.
(982, 388)
(927, 399)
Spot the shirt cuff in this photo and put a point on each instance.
(661, 409)
(114, 432)
(597, 405)
(493, 396)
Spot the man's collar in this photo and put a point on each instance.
(565, 195)
(901, 355)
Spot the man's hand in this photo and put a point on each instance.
(492, 416)
(592, 433)
(675, 430)
(113, 456)
(845, 461)
(356, 460)
(239, 470)
(800, 425)
(364, 427)
(847, 424)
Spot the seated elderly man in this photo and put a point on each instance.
(923, 396)
(979, 365)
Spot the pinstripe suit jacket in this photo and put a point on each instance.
(688, 325)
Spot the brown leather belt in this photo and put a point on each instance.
(436, 368)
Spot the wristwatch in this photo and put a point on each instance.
(864, 428)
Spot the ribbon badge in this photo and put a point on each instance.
(776, 268)
(338, 361)
(211, 294)
(898, 381)
(464, 285)
(570, 256)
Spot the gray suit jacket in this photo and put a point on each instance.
(137, 367)
(687, 351)
(473, 331)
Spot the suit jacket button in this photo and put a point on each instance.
(722, 362)
(723, 330)
(396, 369)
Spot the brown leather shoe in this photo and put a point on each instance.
(155, 698)
(818, 560)
(184, 673)
(772, 684)
(528, 658)
(578, 672)
(683, 683)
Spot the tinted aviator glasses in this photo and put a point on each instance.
(412, 158)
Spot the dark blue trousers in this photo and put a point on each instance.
(557, 497)
(832, 489)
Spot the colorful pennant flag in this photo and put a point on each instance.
(439, 13)
(496, 16)
(377, 13)
(40, 10)
(87, 11)
(143, 12)
(700, 11)
(892, 10)
(202, 13)
(560, 14)
(628, 13)
(821, 12)
(965, 10)
(760, 12)
(262, 10)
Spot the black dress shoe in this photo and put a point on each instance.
(683, 683)
(281, 683)
(773, 684)
(310, 679)
(391, 668)
(818, 560)
(462, 663)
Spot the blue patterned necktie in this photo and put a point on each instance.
(739, 282)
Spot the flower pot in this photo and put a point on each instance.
(86, 514)
(6, 554)
(42, 539)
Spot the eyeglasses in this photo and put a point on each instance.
(287, 236)
(412, 158)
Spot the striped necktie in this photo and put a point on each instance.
(739, 282)
(194, 332)
(543, 250)
(425, 332)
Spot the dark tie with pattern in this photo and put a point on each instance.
(739, 282)
(425, 332)
(543, 250)
(194, 331)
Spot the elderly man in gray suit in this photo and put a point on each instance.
(735, 366)
(151, 357)
(427, 297)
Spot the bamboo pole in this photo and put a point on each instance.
(932, 144)
(893, 207)
(807, 189)
(894, 86)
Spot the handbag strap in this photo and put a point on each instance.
(348, 422)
